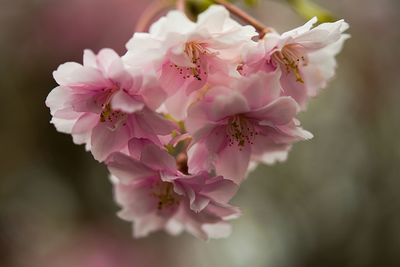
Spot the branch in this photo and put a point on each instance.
(259, 26)
(152, 10)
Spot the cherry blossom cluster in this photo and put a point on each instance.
(190, 109)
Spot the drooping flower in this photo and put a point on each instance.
(247, 121)
(304, 57)
(155, 195)
(187, 54)
(103, 105)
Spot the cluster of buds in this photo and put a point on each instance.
(190, 109)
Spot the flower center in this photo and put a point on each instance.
(240, 131)
(108, 115)
(166, 196)
(196, 52)
(290, 58)
(115, 117)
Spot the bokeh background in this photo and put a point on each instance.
(335, 202)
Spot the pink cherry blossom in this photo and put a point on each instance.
(155, 195)
(303, 57)
(187, 55)
(103, 105)
(191, 108)
(247, 121)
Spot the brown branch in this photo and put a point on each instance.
(259, 26)
(152, 10)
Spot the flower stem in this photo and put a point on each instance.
(152, 10)
(181, 5)
(259, 26)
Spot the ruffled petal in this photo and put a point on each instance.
(157, 158)
(232, 163)
(126, 103)
(127, 169)
(85, 123)
(279, 112)
(219, 189)
(76, 75)
(105, 140)
(58, 98)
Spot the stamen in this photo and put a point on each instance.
(289, 58)
(240, 131)
(165, 194)
(115, 117)
(195, 51)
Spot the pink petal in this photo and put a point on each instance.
(74, 74)
(223, 211)
(218, 230)
(302, 29)
(67, 113)
(153, 94)
(177, 104)
(199, 158)
(135, 199)
(261, 88)
(127, 169)
(157, 158)
(155, 122)
(174, 22)
(322, 35)
(219, 189)
(213, 18)
(58, 98)
(170, 80)
(106, 58)
(126, 103)
(64, 125)
(105, 140)
(136, 146)
(279, 112)
(88, 102)
(85, 123)
(89, 59)
(146, 225)
(226, 103)
(232, 163)
(273, 157)
(199, 203)
(293, 88)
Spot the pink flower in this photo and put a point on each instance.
(103, 105)
(187, 54)
(155, 195)
(304, 57)
(247, 121)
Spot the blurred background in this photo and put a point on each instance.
(335, 202)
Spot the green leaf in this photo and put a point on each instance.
(308, 9)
